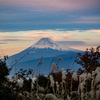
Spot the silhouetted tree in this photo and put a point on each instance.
(90, 60)
(5, 92)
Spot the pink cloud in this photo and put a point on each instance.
(67, 36)
(89, 20)
(96, 31)
(38, 35)
(54, 37)
(68, 5)
(11, 51)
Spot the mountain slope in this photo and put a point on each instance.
(45, 67)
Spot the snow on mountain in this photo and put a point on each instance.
(48, 43)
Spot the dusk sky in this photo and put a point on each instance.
(23, 22)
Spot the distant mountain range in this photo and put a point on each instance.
(48, 49)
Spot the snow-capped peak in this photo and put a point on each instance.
(48, 43)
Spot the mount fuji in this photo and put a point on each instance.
(48, 43)
(48, 49)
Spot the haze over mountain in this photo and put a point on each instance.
(48, 49)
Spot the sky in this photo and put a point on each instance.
(73, 22)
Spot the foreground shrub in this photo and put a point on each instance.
(5, 92)
(90, 60)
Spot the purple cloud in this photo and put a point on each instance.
(68, 5)
(3, 43)
(11, 40)
(72, 42)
